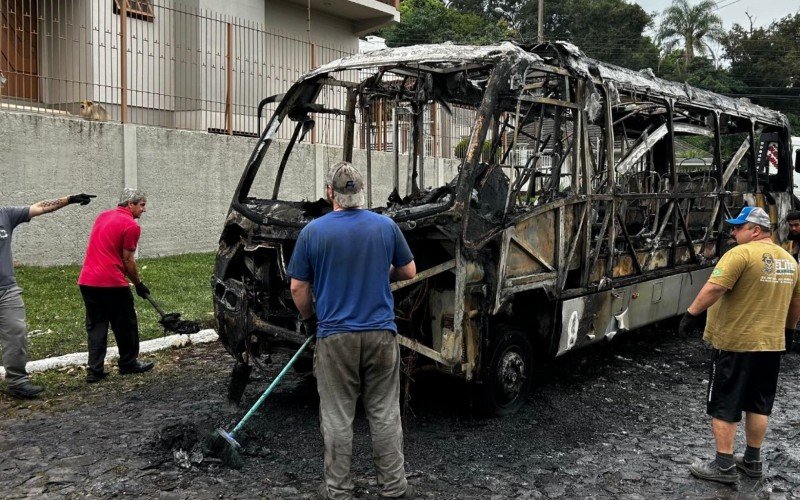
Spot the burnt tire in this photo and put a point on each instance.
(508, 374)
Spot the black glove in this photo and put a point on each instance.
(142, 290)
(789, 333)
(689, 325)
(82, 198)
(308, 327)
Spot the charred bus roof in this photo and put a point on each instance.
(549, 57)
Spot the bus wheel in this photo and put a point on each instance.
(508, 373)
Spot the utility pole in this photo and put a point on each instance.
(540, 30)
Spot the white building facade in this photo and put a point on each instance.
(193, 64)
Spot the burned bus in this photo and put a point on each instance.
(611, 220)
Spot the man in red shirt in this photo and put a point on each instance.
(106, 294)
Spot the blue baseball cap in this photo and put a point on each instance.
(756, 215)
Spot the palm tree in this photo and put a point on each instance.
(694, 26)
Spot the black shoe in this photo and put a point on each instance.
(750, 469)
(710, 471)
(410, 492)
(92, 377)
(136, 367)
(25, 390)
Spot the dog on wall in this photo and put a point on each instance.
(93, 112)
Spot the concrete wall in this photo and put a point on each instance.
(189, 177)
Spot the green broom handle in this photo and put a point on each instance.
(272, 386)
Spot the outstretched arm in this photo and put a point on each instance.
(47, 206)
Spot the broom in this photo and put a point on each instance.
(223, 444)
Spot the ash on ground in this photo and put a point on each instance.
(623, 420)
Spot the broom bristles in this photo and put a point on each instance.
(232, 458)
(223, 446)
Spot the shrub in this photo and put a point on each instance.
(461, 149)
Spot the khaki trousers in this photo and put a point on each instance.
(367, 364)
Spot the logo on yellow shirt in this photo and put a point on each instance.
(769, 264)
(716, 272)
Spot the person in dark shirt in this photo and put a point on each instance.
(793, 219)
(13, 329)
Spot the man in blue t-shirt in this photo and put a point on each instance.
(347, 259)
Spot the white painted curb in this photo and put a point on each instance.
(81, 358)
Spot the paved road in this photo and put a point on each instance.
(619, 421)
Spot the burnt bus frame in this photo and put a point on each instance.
(572, 311)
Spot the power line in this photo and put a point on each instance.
(727, 4)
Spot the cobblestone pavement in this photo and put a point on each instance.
(623, 420)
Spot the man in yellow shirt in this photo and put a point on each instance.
(753, 299)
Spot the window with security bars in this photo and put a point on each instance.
(139, 9)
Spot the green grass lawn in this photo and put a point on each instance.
(56, 313)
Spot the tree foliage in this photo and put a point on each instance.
(609, 30)
(767, 60)
(430, 21)
(693, 26)
(700, 73)
(764, 62)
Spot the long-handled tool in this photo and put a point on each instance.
(223, 444)
(172, 321)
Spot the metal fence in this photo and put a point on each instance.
(165, 64)
(182, 67)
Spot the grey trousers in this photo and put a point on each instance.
(367, 364)
(13, 335)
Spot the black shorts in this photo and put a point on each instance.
(742, 381)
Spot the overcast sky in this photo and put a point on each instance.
(733, 11)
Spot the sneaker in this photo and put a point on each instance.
(750, 469)
(322, 491)
(25, 390)
(92, 377)
(410, 492)
(710, 471)
(137, 367)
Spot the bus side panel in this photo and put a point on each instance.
(593, 317)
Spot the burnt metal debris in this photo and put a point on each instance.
(172, 322)
(612, 221)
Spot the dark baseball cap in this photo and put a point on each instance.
(347, 184)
